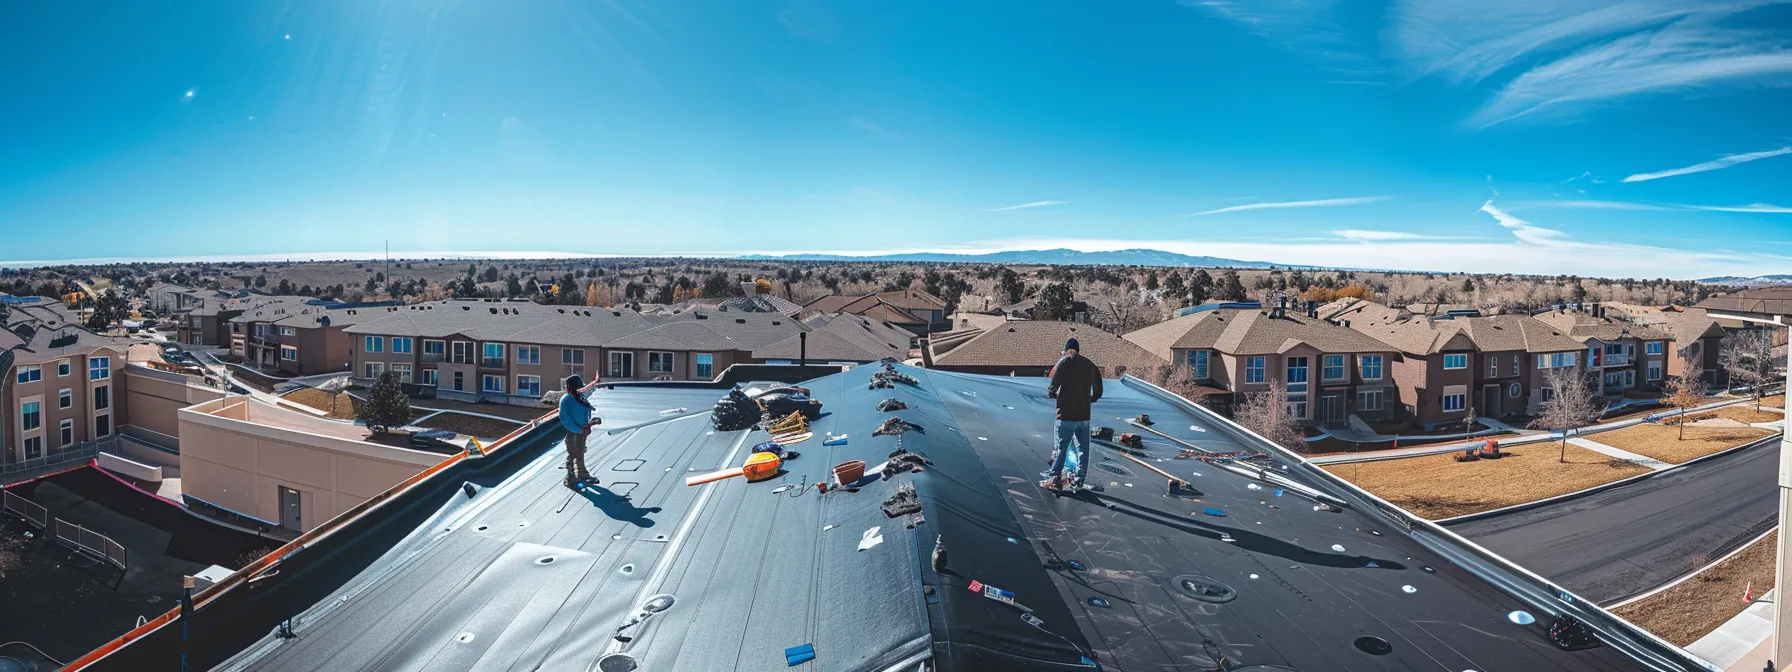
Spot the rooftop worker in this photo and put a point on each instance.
(576, 418)
(1076, 383)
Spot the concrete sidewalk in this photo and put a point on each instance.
(1744, 636)
(1620, 453)
(1452, 447)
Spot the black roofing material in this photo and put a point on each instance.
(1251, 576)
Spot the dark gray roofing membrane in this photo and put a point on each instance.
(1242, 573)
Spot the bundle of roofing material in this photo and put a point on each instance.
(734, 412)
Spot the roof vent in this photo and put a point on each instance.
(740, 320)
(701, 316)
(466, 307)
(616, 313)
(562, 311)
(1011, 330)
(777, 323)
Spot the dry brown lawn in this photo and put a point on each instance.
(1663, 443)
(484, 428)
(1694, 608)
(1778, 401)
(338, 405)
(1747, 414)
(1437, 486)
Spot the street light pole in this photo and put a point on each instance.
(1782, 599)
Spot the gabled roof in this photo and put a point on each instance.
(1361, 310)
(1584, 327)
(1493, 333)
(843, 338)
(1039, 343)
(1251, 332)
(912, 299)
(869, 305)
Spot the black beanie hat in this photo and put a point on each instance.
(1072, 345)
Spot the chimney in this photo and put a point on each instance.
(802, 349)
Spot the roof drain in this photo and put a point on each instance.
(653, 605)
(1204, 589)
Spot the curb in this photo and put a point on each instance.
(1682, 578)
(1604, 486)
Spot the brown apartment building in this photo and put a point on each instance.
(912, 309)
(1697, 336)
(514, 351)
(1331, 372)
(63, 384)
(1626, 355)
(1494, 365)
(298, 335)
(1031, 347)
(208, 323)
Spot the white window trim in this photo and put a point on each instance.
(1653, 371)
(519, 384)
(93, 395)
(64, 368)
(403, 371)
(65, 398)
(1653, 348)
(1493, 366)
(532, 361)
(66, 428)
(371, 344)
(671, 359)
(1380, 400)
(1258, 362)
(566, 356)
(406, 342)
(699, 363)
(91, 369)
(93, 427)
(429, 377)
(1343, 367)
(1445, 405)
(33, 431)
(288, 331)
(444, 351)
(485, 388)
(1449, 356)
(284, 349)
(1363, 368)
(24, 371)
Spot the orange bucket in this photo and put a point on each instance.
(847, 472)
(761, 466)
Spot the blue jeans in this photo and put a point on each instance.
(1072, 432)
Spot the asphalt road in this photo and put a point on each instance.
(1624, 541)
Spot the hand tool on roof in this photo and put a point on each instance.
(1172, 439)
(759, 466)
(1177, 484)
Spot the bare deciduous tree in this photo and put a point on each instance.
(1687, 389)
(1267, 414)
(1571, 405)
(1748, 357)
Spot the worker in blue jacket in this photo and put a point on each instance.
(577, 419)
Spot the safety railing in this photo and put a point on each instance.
(91, 543)
(32, 512)
(58, 460)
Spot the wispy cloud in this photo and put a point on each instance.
(1718, 164)
(1525, 231)
(1023, 206)
(1360, 235)
(869, 127)
(1323, 203)
(1671, 207)
(1752, 207)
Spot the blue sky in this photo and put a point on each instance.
(1640, 138)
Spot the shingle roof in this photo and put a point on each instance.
(526, 322)
(1761, 300)
(1250, 332)
(869, 305)
(1362, 310)
(1582, 327)
(912, 298)
(1039, 343)
(846, 338)
(1494, 333)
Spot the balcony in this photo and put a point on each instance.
(491, 362)
(1615, 360)
(432, 358)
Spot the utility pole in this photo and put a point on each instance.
(1782, 604)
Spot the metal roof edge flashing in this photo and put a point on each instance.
(1540, 593)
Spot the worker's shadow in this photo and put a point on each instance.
(618, 507)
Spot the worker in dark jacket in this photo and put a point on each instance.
(1076, 383)
(576, 418)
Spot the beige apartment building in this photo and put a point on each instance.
(63, 384)
(514, 351)
(284, 467)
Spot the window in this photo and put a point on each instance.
(1371, 365)
(1197, 362)
(1253, 369)
(1368, 400)
(1548, 393)
(1456, 361)
(572, 357)
(528, 354)
(67, 427)
(30, 374)
(65, 398)
(659, 362)
(1515, 364)
(434, 348)
(1334, 368)
(31, 416)
(102, 397)
(1653, 348)
(1514, 390)
(1455, 402)
(1493, 366)
(463, 352)
(1654, 371)
(1614, 379)
(34, 447)
(288, 331)
(1556, 360)
(403, 371)
(373, 344)
(491, 383)
(429, 377)
(289, 353)
(460, 378)
(99, 368)
(528, 386)
(401, 344)
(493, 354)
(102, 426)
(706, 365)
(373, 369)
(62, 368)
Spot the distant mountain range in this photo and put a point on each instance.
(1781, 279)
(1133, 257)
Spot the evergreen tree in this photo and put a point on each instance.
(387, 405)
